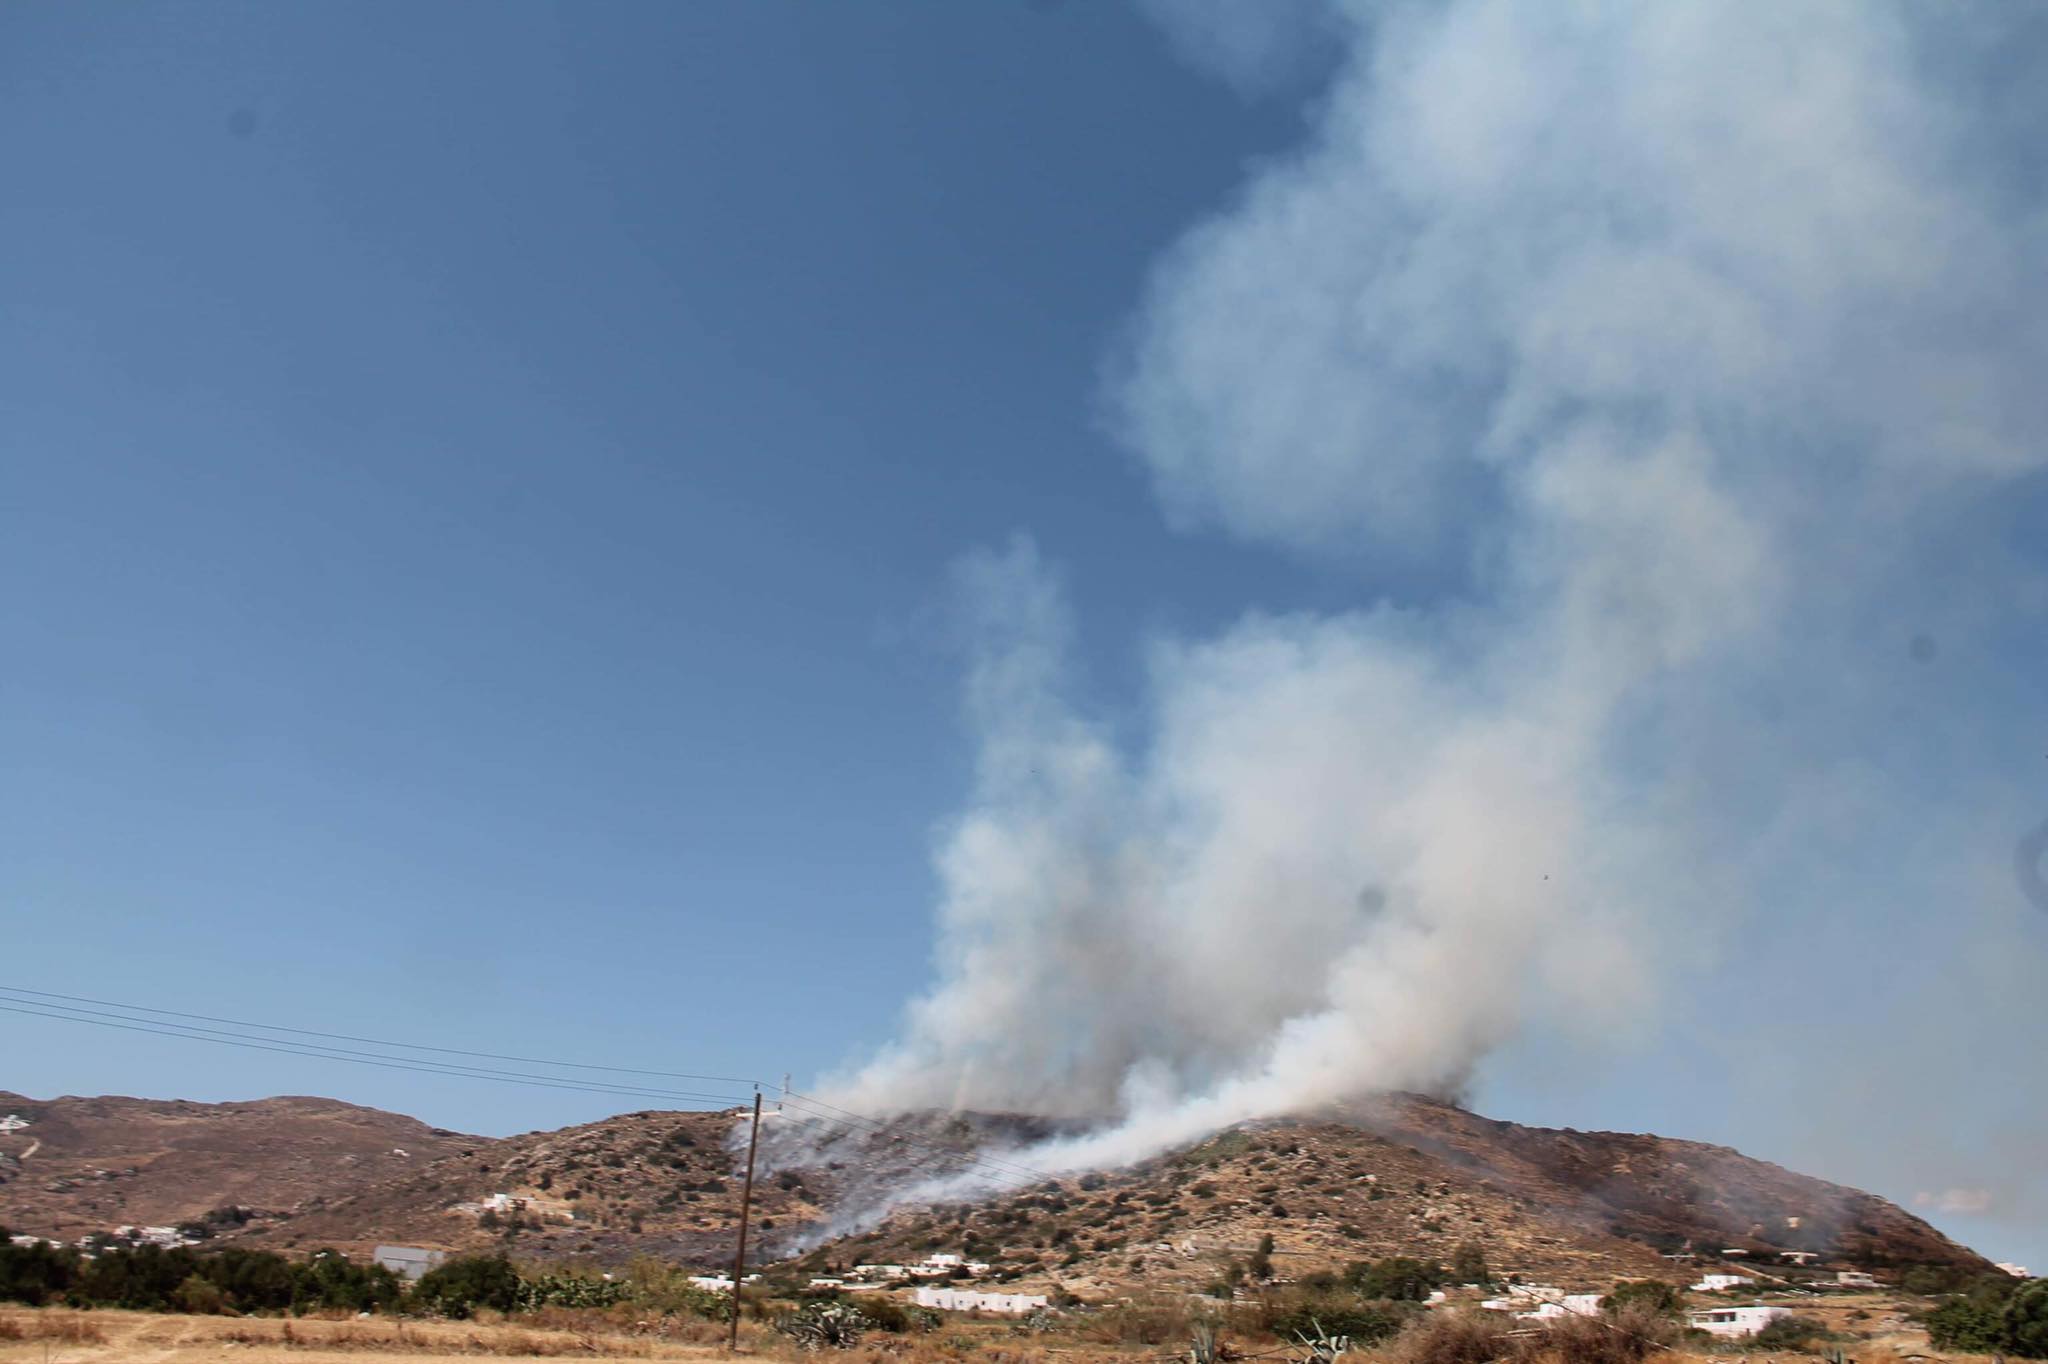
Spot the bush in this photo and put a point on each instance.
(1338, 1314)
(884, 1313)
(1143, 1321)
(1960, 1324)
(1627, 1337)
(2024, 1322)
(456, 1289)
(201, 1297)
(1789, 1333)
(570, 1290)
(1468, 1265)
(1260, 1265)
(664, 1288)
(835, 1326)
(1451, 1337)
(1652, 1295)
(261, 1281)
(1398, 1278)
(36, 1274)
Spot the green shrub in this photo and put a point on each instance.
(35, 1274)
(819, 1326)
(2024, 1322)
(201, 1297)
(1653, 1295)
(1468, 1265)
(1960, 1324)
(1789, 1333)
(1398, 1278)
(571, 1290)
(1337, 1314)
(456, 1289)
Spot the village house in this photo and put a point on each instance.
(1734, 1323)
(1570, 1305)
(1715, 1283)
(971, 1300)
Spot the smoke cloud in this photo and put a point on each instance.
(1699, 345)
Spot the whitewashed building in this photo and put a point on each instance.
(1714, 1283)
(1734, 1323)
(718, 1283)
(408, 1262)
(1570, 1305)
(972, 1300)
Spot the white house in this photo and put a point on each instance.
(1714, 1283)
(970, 1300)
(880, 1272)
(13, 1122)
(1733, 1323)
(1570, 1305)
(718, 1283)
(408, 1262)
(1522, 1295)
(1854, 1278)
(2017, 1271)
(167, 1237)
(940, 1267)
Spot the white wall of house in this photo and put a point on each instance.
(970, 1300)
(1714, 1283)
(1733, 1323)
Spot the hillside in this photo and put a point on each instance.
(88, 1164)
(1412, 1176)
(1397, 1175)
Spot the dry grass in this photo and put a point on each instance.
(69, 1328)
(1453, 1337)
(172, 1339)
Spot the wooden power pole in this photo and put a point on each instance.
(739, 1256)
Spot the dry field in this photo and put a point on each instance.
(62, 1336)
(1873, 1331)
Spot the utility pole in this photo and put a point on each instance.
(739, 1257)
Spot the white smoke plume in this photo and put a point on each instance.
(1702, 342)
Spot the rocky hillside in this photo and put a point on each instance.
(1398, 1175)
(1410, 1176)
(74, 1165)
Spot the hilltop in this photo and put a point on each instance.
(87, 1164)
(1400, 1174)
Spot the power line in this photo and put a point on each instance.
(994, 1168)
(380, 1042)
(388, 1063)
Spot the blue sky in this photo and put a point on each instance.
(484, 488)
(478, 538)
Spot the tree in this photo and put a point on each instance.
(1960, 1324)
(35, 1274)
(459, 1287)
(1468, 1265)
(2024, 1322)
(1653, 1295)
(1260, 1265)
(1400, 1278)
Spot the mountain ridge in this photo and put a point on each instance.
(1392, 1174)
